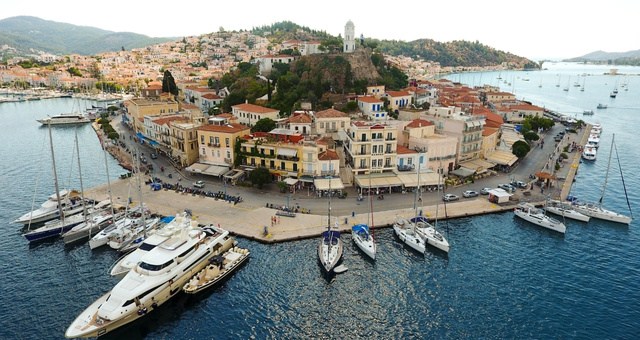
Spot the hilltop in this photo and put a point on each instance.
(27, 35)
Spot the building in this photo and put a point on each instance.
(138, 108)
(216, 145)
(372, 107)
(370, 147)
(398, 99)
(349, 37)
(332, 123)
(280, 151)
(465, 127)
(440, 150)
(249, 114)
(184, 143)
(300, 122)
(266, 62)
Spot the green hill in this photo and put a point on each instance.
(28, 34)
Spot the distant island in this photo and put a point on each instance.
(631, 58)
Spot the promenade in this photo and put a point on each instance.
(250, 217)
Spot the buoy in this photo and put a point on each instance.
(340, 269)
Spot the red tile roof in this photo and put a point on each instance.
(254, 108)
(419, 123)
(398, 93)
(227, 128)
(300, 119)
(330, 113)
(402, 150)
(369, 99)
(328, 155)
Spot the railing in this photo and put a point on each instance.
(327, 173)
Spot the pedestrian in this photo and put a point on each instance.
(278, 221)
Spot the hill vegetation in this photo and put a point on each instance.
(29, 34)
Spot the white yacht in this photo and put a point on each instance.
(49, 209)
(596, 211)
(330, 250)
(160, 274)
(565, 209)
(89, 228)
(124, 239)
(594, 140)
(131, 218)
(407, 233)
(432, 236)
(64, 119)
(530, 213)
(589, 153)
(362, 237)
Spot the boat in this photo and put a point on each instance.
(613, 94)
(64, 119)
(129, 219)
(530, 213)
(594, 140)
(587, 112)
(49, 210)
(330, 248)
(362, 235)
(126, 239)
(601, 106)
(363, 238)
(428, 231)
(589, 153)
(94, 224)
(160, 275)
(219, 267)
(406, 230)
(596, 210)
(565, 210)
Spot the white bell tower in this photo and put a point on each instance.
(349, 37)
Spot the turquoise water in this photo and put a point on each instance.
(503, 278)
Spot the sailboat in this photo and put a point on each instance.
(406, 230)
(360, 233)
(330, 247)
(596, 210)
(432, 236)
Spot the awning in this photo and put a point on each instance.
(233, 174)
(197, 167)
(306, 178)
(145, 138)
(328, 184)
(463, 172)
(290, 181)
(411, 180)
(367, 181)
(287, 152)
(502, 157)
(215, 170)
(480, 165)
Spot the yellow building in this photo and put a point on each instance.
(216, 142)
(184, 143)
(282, 158)
(138, 108)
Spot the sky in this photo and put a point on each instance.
(542, 29)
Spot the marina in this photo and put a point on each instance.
(497, 264)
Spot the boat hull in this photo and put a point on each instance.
(567, 213)
(410, 238)
(194, 287)
(559, 227)
(366, 246)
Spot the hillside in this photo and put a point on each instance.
(30, 34)
(453, 53)
(616, 58)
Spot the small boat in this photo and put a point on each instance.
(530, 213)
(220, 267)
(407, 233)
(330, 249)
(601, 106)
(587, 112)
(594, 140)
(565, 210)
(613, 94)
(64, 119)
(431, 236)
(589, 153)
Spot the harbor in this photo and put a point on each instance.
(537, 283)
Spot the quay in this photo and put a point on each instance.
(252, 217)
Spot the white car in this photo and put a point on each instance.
(450, 197)
(470, 193)
(198, 184)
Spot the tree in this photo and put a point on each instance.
(260, 176)
(520, 148)
(169, 84)
(264, 125)
(531, 136)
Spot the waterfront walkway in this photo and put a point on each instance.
(249, 218)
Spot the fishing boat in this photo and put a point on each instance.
(601, 106)
(330, 248)
(157, 277)
(219, 267)
(530, 213)
(587, 112)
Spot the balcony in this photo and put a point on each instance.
(213, 145)
(228, 161)
(327, 173)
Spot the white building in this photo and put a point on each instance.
(349, 37)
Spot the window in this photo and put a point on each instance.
(226, 141)
(295, 167)
(202, 139)
(282, 166)
(228, 154)
(363, 163)
(217, 141)
(262, 163)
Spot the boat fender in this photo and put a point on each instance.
(154, 305)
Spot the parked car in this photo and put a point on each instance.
(450, 197)
(143, 160)
(154, 155)
(470, 193)
(485, 191)
(507, 187)
(198, 184)
(519, 184)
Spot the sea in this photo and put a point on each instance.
(502, 279)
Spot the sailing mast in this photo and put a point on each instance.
(55, 174)
(84, 206)
(606, 175)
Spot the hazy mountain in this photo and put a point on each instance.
(617, 58)
(28, 34)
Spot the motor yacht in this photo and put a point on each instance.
(219, 267)
(589, 153)
(160, 274)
